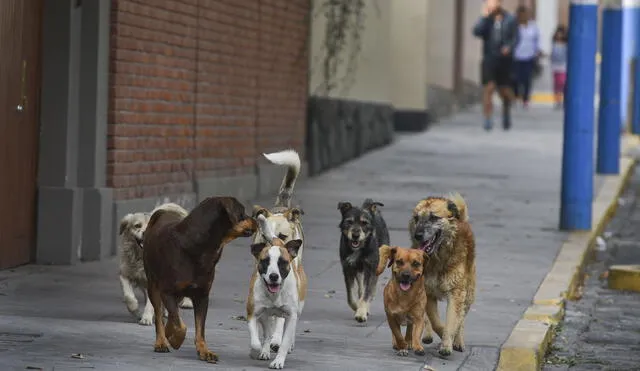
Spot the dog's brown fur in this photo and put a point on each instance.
(450, 272)
(180, 255)
(404, 307)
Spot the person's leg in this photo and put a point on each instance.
(557, 89)
(488, 88)
(503, 81)
(517, 80)
(527, 78)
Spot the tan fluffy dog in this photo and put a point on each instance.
(439, 227)
(404, 296)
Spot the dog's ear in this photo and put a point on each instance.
(344, 207)
(453, 209)
(293, 247)
(124, 223)
(259, 210)
(257, 248)
(374, 206)
(294, 214)
(387, 254)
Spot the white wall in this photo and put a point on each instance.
(441, 39)
(371, 78)
(409, 53)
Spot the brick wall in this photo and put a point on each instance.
(202, 88)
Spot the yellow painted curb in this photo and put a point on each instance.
(526, 346)
(548, 314)
(542, 98)
(624, 277)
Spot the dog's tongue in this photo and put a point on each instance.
(404, 286)
(273, 288)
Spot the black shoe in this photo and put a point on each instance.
(506, 122)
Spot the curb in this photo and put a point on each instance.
(624, 277)
(527, 344)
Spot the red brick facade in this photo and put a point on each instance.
(204, 86)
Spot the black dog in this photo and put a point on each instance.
(363, 232)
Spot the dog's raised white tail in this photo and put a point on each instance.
(291, 160)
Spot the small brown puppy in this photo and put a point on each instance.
(180, 256)
(405, 297)
(440, 227)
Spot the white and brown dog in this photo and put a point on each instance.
(285, 221)
(277, 290)
(131, 269)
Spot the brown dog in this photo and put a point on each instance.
(180, 255)
(405, 297)
(439, 226)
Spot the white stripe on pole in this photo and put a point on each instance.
(584, 2)
(619, 4)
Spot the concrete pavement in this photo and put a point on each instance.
(510, 180)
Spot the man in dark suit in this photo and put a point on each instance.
(498, 30)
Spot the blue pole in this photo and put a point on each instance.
(635, 119)
(577, 152)
(634, 9)
(610, 110)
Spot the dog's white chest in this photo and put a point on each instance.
(277, 311)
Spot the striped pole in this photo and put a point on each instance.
(577, 152)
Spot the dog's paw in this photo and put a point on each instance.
(361, 316)
(458, 347)
(161, 348)
(427, 339)
(186, 303)
(277, 364)
(265, 355)
(208, 356)
(419, 352)
(146, 321)
(444, 350)
(403, 352)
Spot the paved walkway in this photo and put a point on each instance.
(510, 180)
(602, 331)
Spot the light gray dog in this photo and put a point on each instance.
(132, 227)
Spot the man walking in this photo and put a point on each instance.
(499, 33)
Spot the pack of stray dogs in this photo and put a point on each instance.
(170, 254)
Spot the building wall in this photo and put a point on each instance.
(409, 55)
(356, 114)
(146, 102)
(199, 89)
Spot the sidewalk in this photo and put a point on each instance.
(601, 331)
(511, 182)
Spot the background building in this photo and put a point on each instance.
(115, 106)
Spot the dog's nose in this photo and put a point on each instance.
(355, 235)
(274, 277)
(405, 276)
(419, 235)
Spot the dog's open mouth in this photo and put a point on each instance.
(139, 242)
(429, 246)
(273, 287)
(355, 243)
(405, 286)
